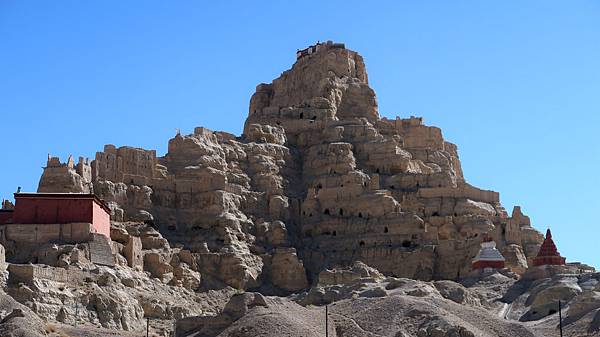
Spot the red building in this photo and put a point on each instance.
(548, 254)
(62, 208)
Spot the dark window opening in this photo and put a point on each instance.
(385, 230)
(341, 211)
(362, 243)
(436, 214)
(455, 214)
(359, 214)
(319, 186)
(326, 211)
(334, 233)
(406, 244)
(309, 214)
(301, 115)
(377, 171)
(440, 185)
(418, 185)
(392, 187)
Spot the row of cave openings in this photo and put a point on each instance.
(340, 212)
(391, 187)
(405, 243)
(361, 243)
(313, 118)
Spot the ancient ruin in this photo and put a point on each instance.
(319, 201)
(317, 179)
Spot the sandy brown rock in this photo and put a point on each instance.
(316, 169)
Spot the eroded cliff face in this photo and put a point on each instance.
(317, 180)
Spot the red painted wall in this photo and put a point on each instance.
(52, 210)
(488, 264)
(5, 217)
(101, 223)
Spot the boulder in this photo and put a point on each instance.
(348, 275)
(287, 270)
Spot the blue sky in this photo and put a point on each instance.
(515, 84)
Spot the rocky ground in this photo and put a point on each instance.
(362, 302)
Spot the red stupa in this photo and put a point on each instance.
(548, 254)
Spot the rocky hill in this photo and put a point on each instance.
(251, 235)
(318, 179)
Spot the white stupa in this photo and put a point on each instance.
(488, 256)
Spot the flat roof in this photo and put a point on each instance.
(90, 196)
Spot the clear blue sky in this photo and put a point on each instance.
(515, 84)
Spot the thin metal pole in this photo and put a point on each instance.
(76, 311)
(147, 326)
(326, 322)
(560, 318)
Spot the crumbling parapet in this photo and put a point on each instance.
(126, 164)
(66, 177)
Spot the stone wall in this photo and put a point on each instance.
(66, 177)
(28, 273)
(125, 164)
(44, 233)
(100, 251)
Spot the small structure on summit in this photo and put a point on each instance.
(548, 254)
(300, 53)
(488, 256)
